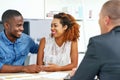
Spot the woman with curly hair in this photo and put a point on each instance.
(59, 51)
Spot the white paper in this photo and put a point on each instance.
(56, 75)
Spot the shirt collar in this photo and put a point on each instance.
(117, 28)
(7, 41)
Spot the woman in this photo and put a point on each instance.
(59, 52)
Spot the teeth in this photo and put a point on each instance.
(53, 32)
(20, 33)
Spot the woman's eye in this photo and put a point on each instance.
(55, 25)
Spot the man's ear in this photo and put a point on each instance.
(107, 20)
(6, 25)
(108, 23)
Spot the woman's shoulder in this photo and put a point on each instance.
(47, 39)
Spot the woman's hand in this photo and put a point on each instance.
(51, 67)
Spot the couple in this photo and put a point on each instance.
(59, 51)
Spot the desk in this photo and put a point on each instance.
(35, 76)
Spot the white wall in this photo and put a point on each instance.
(40, 28)
(70, 6)
(91, 9)
(31, 9)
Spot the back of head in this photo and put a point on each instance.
(8, 14)
(112, 9)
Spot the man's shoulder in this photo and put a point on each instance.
(102, 36)
(1, 35)
(25, 37)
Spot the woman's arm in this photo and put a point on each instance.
(74, 57)
(40, 54)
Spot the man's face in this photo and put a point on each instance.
(14, 27)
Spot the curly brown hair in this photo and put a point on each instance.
(72, 31)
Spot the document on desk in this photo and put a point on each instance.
(56, 75)
(16, 75)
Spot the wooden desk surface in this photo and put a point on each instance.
(35, 76)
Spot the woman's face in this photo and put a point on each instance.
(57, 30)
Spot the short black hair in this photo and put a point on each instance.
(10, 14)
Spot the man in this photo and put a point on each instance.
(102, 58)
(15, 45)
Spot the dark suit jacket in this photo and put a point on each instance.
(102, 58)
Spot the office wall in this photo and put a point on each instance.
(91, 9)
(39, 28)
(72, 7)
(31, 9)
